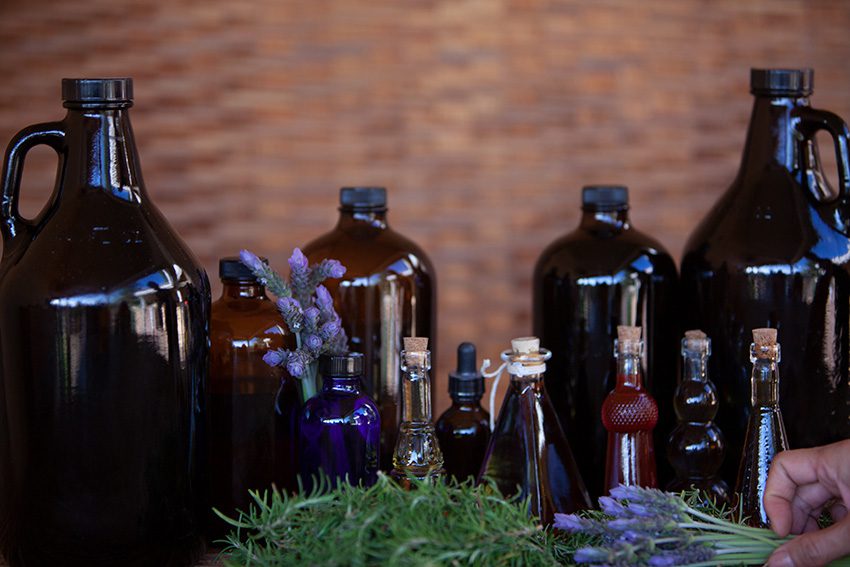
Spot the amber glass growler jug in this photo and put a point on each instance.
(388, 293)
(773, 252)
(104, 346)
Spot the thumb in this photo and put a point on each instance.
(814, 548)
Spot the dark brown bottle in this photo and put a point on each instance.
(254, 408)
(464, 429)
(604, 274)
(774, 252)
(105, 350)
(529, 455)
(388, 292)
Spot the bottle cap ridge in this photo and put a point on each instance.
(118, 89)
(793, 82)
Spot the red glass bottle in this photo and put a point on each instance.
(629, 414)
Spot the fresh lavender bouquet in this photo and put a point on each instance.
(308, 311)
(645, 526)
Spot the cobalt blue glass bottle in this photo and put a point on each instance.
(340, 427)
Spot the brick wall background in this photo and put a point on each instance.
(483, 117)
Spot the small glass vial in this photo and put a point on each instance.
(765, 430)
(417, 451)
(696, 446)
(529, 454)
(629, 414)
(340, 428)
(464, 429)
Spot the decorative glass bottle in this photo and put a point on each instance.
(254, 408)
(464, 429)
(773, 252)
(629, 414)
(696, 446)
(105, 349)
(388, 292)
(765, 429)
(528, 451)
(417, 451)
(603, 274)
(340, 427)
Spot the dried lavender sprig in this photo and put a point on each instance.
(265, 274)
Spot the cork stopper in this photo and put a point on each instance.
(415, 344)
(764, 337)
(628, 333)
(695, 335)
(525, 345)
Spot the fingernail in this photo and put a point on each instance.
(781, 559)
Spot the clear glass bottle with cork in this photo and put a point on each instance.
(765, 429)
(528, 450)
(417, 452)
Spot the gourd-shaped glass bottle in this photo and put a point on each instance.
(417, 452)
(696, 446)
(774, 251)
(105, 349)
(340, 427)
(528, 450)
(765, 429)
(629, 414)
(603, 274)
(254, 408)
(464, 429)
(388, 292)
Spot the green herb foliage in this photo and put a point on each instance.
(434, 524)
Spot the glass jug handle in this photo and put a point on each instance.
(811, 122)
(12, 224)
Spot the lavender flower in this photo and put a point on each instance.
(276, 357)
(328, 269)
(251, 260)
(299, 276)
(290, 308)
(297, 363)
(311, 319)
(313, 343)
(329, 330)
(686, 556)
(324, 302)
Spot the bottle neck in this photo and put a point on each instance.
(416, 394)
(764, 383)
(462, 402)
(771, 136)
(235, 289)
(350, 218)
(605, 222)
(341, 384)
(629, 373)
(695, 366)
(102, 152)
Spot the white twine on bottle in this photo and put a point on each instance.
(514, 368)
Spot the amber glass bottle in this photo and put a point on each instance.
(254, 408)
(603, 274)
(765, 429)
(104, 349)
(629, 414)
(773, 253)
(528, 452)
(388, 292)
(464, 429)
(696, 446)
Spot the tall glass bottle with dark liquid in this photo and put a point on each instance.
(104, 346)
(254, 408)
(464, 429)
(765, 429)
(388, 292)
(603, 274)
(775, 252)
(529, 454)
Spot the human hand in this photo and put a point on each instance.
(802, 484)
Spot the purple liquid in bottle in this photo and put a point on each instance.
(340, 426)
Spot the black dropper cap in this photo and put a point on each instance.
(350, 364)
(604, 198)
(97, 90)
(231, 268)
(466, 383)
(363, 198)
(782, 82)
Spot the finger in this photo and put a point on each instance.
(789, 471)
(838, 511)
(814, 549)
(808, 503)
